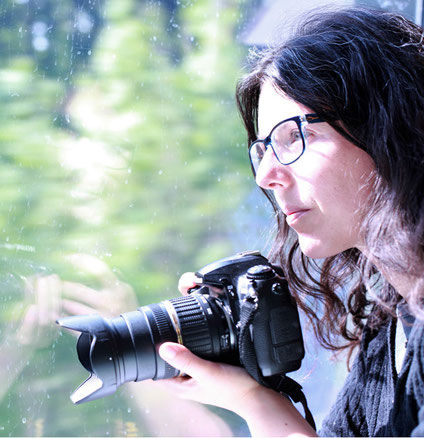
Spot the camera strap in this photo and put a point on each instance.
(280, 383)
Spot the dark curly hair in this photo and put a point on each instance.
(362, 70)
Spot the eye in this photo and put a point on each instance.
(294, 137)
(287, 137)
(287, 141)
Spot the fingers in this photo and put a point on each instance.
(80, 292)
(47, 291)
(187, 281)
(28, 328)
(72, 308)
(109, 303)
(94, 266)
(115, 297)
(211, 383)
(182, 359)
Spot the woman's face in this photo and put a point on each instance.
(322, 194)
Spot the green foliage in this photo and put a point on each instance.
(141, 163)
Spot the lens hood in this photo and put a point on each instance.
(97, 349)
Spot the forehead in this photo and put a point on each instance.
(274, 106)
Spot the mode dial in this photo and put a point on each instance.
(260, 272)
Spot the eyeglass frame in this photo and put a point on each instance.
(301, 121)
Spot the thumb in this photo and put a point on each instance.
(184, 360)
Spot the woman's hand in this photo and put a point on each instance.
(267, 412)
(111, 299)
(43, 307)
(188, 281)
(49, 297)
(217, 384)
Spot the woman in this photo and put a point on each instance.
(336, 117)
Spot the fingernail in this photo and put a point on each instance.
(167, 351)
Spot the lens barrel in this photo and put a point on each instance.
(124, 349)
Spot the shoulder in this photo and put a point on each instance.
(408, 412)
(415, 356)
(376, 342)
(354, 413)
(416, 336)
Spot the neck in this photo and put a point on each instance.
(403, 283)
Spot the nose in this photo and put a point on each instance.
(271, 174)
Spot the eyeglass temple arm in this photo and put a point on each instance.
(315, 118)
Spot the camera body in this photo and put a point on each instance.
(275, 328)
(210, 322)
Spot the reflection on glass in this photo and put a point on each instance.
(112, 183)
(123, 164)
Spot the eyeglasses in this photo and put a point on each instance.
(287, 140)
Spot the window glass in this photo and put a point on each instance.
(123, 164)
(412, 9)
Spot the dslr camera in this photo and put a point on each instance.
(241, 313)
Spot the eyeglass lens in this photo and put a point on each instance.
(286, 141)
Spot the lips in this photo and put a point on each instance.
(294, 214)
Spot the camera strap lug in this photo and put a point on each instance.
(280, 383)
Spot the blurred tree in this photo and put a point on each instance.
(58, 36)
(119, 139)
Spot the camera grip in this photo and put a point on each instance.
(277, 336)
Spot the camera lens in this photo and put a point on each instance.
(124, 349)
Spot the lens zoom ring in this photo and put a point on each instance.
(165, 330)
(166, 333)
(193, 323)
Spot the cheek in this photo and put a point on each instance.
(343, 198)
(347, 183)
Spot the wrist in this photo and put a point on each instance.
(269, 413)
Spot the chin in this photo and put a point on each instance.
(316, 249)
